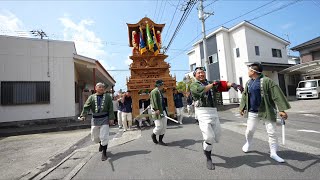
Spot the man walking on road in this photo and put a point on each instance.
(177, 97)
(204, 93)
(159, 112)
(101, 106)
(260, 100)
(126, 111)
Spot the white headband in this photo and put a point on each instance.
(100, 84)
(254, 70)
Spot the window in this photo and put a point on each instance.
(25, 92)
(256, 48)
(237, 52)
(276, 53)
(213, 58)
(192, 66)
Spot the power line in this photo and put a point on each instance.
(281, 7)
(318, 5)
(159, 10)
(183, 18)
(186, 48)
(210, 3)
(171, 22)
(164, 8)
(155, 11)
(255, 9)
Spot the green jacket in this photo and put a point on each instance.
(272, 98)
(156, 102)
(200, 97)
(91, 105)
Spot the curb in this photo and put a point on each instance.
(91, 151)
(21, 131)
(38, 170)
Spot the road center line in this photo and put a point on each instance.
(305, 130)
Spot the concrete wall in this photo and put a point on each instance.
(24, 59)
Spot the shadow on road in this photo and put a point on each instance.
(184, 143)
(115, 157)
(254, 159)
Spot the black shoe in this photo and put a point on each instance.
(161, 142)
(154, 138)
(210, 165)
(100, 147)
(104, 153)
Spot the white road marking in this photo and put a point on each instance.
(305, 130)
(310, 115)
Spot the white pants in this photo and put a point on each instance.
(190, 109)
(209, 124)
(126, 117)
(143, 118)
(160, 125)
(252, 123)
(150, 118)
(119, 116)
(100, 134)
(179, 114)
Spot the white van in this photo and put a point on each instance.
(308, 89)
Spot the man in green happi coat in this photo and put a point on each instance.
(101, 106)
(159, 112)
(261, 99)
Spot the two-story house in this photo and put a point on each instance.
(231, 49)
(310, 60)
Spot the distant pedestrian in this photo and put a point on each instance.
(177, 97)
(120, 107)
(189, 104)
(127, 111)
(115, 109)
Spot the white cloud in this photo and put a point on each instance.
(11, 25)
(86, 41)
(128, 61)
(287, 26)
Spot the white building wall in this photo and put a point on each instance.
(197, 55)
(226, 64)
(265, 43)
(238, 40)
(25, 59)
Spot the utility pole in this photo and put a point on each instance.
(289, 44)
(39, 33)
(202, 17)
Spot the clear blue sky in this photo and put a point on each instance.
(101, 32)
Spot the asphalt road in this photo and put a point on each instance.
(184, 159)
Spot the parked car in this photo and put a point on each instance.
(308, 89)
